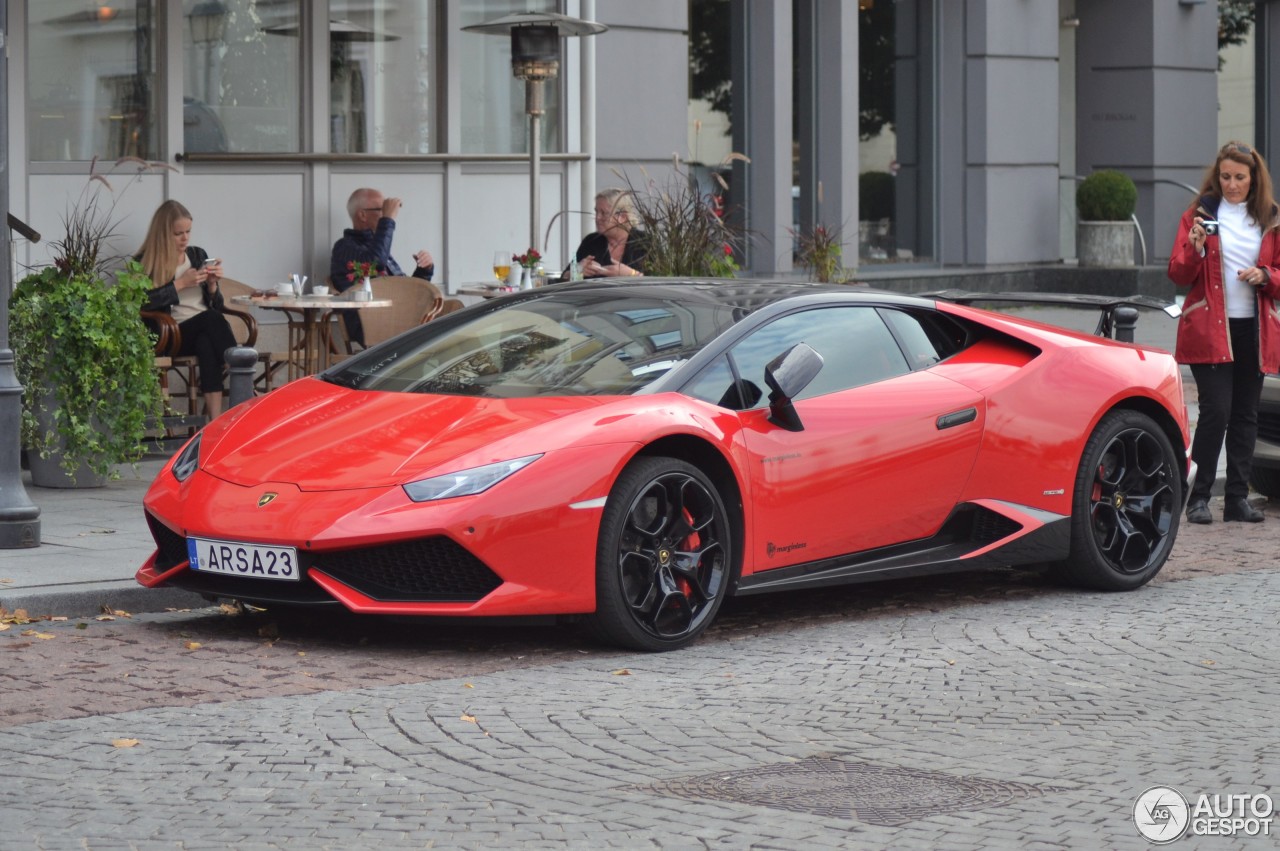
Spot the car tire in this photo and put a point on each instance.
(1265, 480)
(1126, 506)
(664, 556)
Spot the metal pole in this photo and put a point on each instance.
(19, 518)
(533, 104)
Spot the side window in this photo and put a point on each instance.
(855, 345)
(926, 337)
(717, 386)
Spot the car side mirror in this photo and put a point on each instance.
(787, 375)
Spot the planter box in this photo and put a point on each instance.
(1104, 244)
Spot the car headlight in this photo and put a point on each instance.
(188, 460)
(466, 482)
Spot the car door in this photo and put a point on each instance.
(884, 451)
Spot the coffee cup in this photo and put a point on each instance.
(319, 289)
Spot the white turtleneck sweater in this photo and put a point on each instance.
(1241, 239)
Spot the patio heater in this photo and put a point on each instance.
(535, 58)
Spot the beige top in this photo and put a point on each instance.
(190, 300)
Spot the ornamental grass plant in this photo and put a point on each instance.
(685, 229)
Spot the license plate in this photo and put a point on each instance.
(252, 561)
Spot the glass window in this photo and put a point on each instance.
(493, 101)
(242, 84)
(855, 345)
(574, 344)
(91, 78)
(927, 338)
(382, 92)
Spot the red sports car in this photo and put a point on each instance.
(627, 455)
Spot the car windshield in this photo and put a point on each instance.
(575, 344)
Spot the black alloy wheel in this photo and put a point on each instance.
(664, 555)
(1127, 504)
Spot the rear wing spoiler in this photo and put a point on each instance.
(1118, 314)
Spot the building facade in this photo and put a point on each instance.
(932, 133)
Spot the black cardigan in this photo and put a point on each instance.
(164, 297)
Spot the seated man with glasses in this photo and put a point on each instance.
(368, 240)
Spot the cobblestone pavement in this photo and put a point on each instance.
(992, 710)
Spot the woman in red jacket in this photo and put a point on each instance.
(1228, 252)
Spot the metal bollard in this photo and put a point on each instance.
(241, 361)
(1126, 323)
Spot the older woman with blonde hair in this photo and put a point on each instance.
(186, 287)
(616, 248)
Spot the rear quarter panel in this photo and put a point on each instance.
(1040, 414)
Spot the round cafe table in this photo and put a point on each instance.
(308, 339)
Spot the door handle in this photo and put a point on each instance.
(968, 415)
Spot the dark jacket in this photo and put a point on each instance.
(1202, 329)
(164, 297)
(368, 246)
(596, 245)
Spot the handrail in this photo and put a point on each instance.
(287, 157)
(1142, 240)
(23, 229)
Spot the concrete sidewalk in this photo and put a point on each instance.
(94, 540)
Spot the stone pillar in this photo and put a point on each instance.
(828, 113)
(1147, 103)
(762, 130)
(1008, 131)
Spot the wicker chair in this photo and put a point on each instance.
(415, 301)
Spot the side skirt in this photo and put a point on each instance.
(975, 536)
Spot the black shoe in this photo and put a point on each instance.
(1198, 512)
(1240, 510)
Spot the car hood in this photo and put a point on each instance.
(319, 436)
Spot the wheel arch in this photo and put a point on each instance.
(1159, 414)
(707, 458)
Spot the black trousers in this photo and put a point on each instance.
(207, 336)
(1229, 394)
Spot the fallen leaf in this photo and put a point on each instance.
(82, 625)
(1207, 662)
(57, 618)
(104, 618)
(193, 645)
(6, 581)
(302, 653)
(951, 661)
(37, 634)
(467, 685)
(622, 672)
(3, 626)
(124, 743)
(18, 616)
(470, 719)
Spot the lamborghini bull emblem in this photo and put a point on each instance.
(266, 498)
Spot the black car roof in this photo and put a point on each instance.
(751, 294)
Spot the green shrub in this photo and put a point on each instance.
(875, 196)
(1106, 196)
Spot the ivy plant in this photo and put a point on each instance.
(87, 363)
(81, 350)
